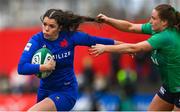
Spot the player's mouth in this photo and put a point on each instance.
(46, 36)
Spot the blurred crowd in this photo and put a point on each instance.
(120, 89)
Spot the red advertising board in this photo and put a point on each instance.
(16, 102)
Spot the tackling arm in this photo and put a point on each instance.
(122, 48)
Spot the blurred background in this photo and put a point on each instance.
(108, 82)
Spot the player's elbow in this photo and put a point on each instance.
(135, 28)
(20, 70)
(134, 49)
(131, 29)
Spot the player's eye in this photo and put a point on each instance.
(44, 24)
(52, 26)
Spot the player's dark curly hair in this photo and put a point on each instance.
(66, 19)
(167, 12)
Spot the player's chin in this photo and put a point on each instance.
(154, 28)
(47, 37)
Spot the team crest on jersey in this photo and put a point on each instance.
(64, 43)
(28, 46)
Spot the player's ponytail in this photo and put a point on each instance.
(66, 19)
(73, 21)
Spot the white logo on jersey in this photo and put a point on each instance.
(162, 90)
(178, 102)
(154, 59)
(28, 46)
(57, 98)
(62, 55)
(67, 83)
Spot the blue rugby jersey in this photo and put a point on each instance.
(63, 52)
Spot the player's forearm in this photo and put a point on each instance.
(27, 68)
(119, 24)
(122, 48)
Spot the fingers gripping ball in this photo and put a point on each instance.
(42, 56)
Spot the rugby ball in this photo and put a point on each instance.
(42, 56)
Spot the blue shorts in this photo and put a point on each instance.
(173, 98)
(64, 100)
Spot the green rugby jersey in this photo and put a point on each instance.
(166, 55)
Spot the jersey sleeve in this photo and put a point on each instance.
(84, 39)
(24, 66)
(147, 28)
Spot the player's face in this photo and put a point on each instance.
(50, 29)
(157, 23)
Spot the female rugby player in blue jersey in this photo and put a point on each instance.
(164, 28)
(58, 92)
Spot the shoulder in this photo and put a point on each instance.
(36, 39)
(166, 34)
(38, 36)
(161, 37)
(72, 33)
(77, 34)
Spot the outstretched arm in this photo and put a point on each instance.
(120, 24)
(121, 48)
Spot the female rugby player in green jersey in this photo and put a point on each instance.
(164, 28)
